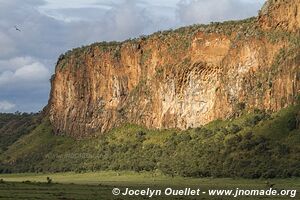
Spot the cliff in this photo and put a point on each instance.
(283, 14)
(182, 78)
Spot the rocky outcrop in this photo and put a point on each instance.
(180, 79)
(283, 14)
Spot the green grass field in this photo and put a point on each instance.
(99, 185)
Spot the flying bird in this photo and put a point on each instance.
(17, 29)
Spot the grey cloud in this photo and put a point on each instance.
(25, 82)
(26, 100)
(127, 19)
(37, 31)
(205, 11)
(14, 63)
(7, 46)
(69, 15)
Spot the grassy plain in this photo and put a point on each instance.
(99, 185)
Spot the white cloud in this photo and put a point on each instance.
(6, 106)
(15, 63)
(23, 71)
(33, 72)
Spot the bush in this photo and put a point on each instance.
(49, 180)
(233, 128)
(271, 173)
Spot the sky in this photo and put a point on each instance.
(48, 28)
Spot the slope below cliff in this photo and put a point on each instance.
(183, 78)
(253, 145)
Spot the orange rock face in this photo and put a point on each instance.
(283, 14)
(178, 79)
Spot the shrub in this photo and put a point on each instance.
(233, 128)
(49, 180)
(271, 173)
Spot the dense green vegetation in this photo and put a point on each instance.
(13, 126)
(99, 185)
(256, 144)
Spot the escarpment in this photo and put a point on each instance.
(280, 14)
(182, 78)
